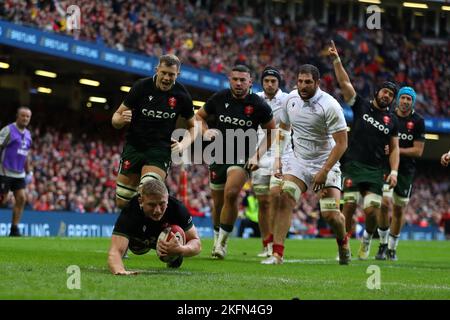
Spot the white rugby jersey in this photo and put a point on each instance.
(313, 123)
(276, 103)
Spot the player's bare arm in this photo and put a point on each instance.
(118, 248)
(415, 151)
(342, 77)
(121, 117)
(336, 153)
(394, 161)
(283, 137)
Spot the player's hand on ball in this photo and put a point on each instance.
(126, 116)
(169, 248)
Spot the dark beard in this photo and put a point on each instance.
(382, 104)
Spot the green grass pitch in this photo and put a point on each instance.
(36, 268)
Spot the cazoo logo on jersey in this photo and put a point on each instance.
(158, 114)
(376, 123)
(235, 121)
(404, 136)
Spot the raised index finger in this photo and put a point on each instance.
(333, 45)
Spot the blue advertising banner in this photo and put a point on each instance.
(66, 47)
(74, 224)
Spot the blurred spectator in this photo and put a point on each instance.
(249, 216)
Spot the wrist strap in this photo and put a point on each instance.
(394, 173)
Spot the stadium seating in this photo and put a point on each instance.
(215, 38)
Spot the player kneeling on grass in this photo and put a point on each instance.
(141, 222)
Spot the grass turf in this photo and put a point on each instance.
(36, 268)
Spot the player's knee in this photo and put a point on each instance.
(20, 200)
(290, 190)
(333, 217)
(351, 198)
(264, 204)
(372, 200)
(385, 202)
(274, 193)
(231, 195)
(400, 201)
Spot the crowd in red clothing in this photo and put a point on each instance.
(215, 36)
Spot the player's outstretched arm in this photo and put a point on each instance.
(118, 248)
(121, 117)
(342, 77)
(415, 151)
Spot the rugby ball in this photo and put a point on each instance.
(165, 235)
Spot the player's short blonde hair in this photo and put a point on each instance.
(154, 187)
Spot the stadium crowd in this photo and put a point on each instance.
(215, 36)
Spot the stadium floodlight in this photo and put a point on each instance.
(44, 90)
(431, 136)
(370, 1)
(198, 103)
(125, 88)
(415, 5)
(445, 8)
(44, 73)
(89, 82)
(97, 99)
